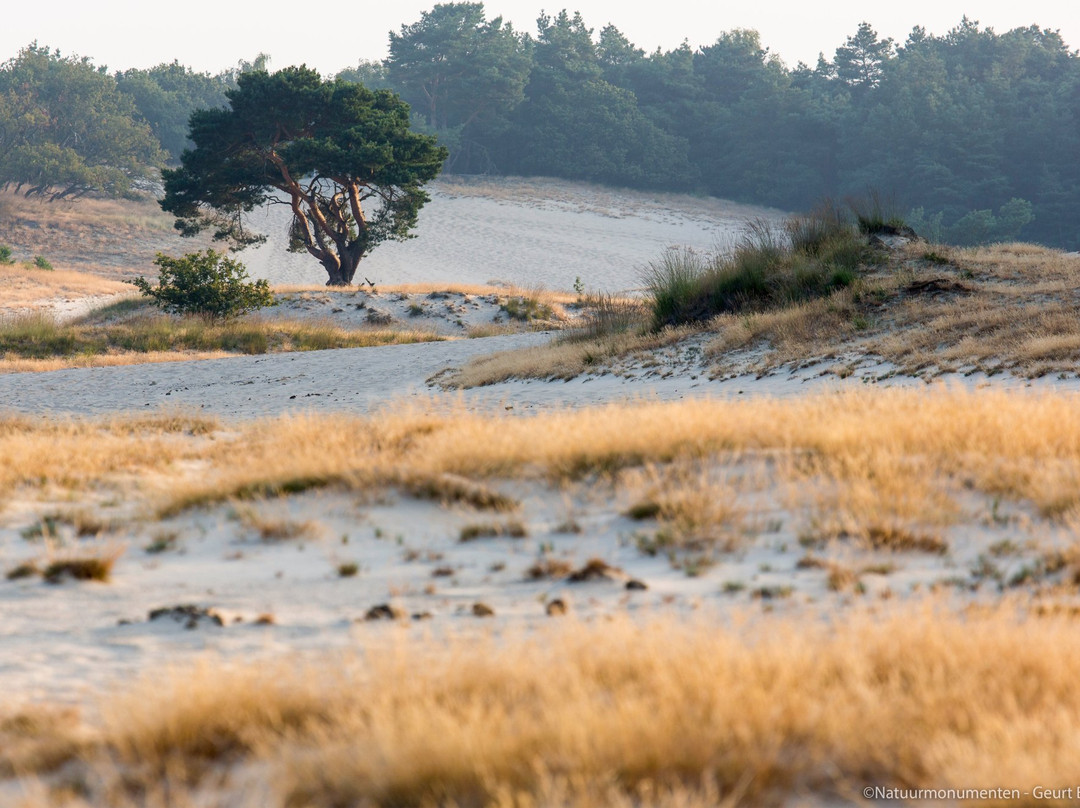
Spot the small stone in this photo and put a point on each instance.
(190, 615)
(384, 611)
(556, 607)
(422, 616)
(634, 583)
(482, 610)
(379, 317)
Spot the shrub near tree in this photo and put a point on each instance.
(206, 283)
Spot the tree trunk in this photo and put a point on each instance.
(337, 278)
(348, 266)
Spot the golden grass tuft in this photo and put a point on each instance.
(271, 527)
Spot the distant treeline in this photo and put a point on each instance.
(973, 135)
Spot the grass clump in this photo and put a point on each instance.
(547, 567)
(81, 568)
(26, 570)
(162, 542)
(488, 530)
(271, 528)
(877, 215)
(526, 309)
(771, 267)
(452, 488)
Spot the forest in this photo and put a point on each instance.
(971, 136)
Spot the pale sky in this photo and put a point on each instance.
(214, 34)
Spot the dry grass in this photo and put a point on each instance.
(28, 287)
(669, 712)
(82, 565)
(85, 233)
(455, 489)
(561, 359)
(696, 506)
(105, 360)
(894, 461)
(512, 529)
(36, 341)
(273, 528)
(77, 453)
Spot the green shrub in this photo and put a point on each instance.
(41, 262)
(5, 255)
(771, 266)
(205, 283)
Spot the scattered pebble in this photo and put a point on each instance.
(190, 615)
(482, 610)
(556, 607)
(384, 611)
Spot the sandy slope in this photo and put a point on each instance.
(524, 232)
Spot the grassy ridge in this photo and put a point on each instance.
(126, 327)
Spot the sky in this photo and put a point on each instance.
(211, 35)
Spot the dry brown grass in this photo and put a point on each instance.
(675, 712)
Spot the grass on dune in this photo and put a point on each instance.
(25, 285)
(861, 464)
(128, 328)
(670, 711)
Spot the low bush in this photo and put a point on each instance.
(206, 283)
